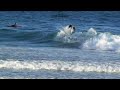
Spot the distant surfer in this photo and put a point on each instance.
(14, 25)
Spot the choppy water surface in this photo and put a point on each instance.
(34, 50)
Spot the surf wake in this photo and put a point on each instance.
(93, 40)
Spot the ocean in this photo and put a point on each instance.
(34, 50)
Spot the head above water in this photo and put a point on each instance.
(14, 25)
(70, 26)
(74, 28)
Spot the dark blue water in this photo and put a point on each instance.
(34, 50)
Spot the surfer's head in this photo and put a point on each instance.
(71, 29)
(70, 26)
(74, 28)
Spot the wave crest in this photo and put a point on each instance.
(103, 41)
(75, 66)
(92, 40)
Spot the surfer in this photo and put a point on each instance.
(70, 29)
(14, 25)
(66, 31)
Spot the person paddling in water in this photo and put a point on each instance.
(14, 25)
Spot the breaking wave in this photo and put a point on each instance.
(90, 39)
(93, 40)
(75, 66)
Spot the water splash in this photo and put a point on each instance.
(75, 66)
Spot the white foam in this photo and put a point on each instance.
(65, 35)
(92, 31)
(65, 31)
(92, 40)
(75, 66)
(103, 41)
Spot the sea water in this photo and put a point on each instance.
(35, 51)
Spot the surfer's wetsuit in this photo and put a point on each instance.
(14, 25)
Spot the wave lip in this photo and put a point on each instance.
(103, 41)
(75, 66)
(90, 39)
